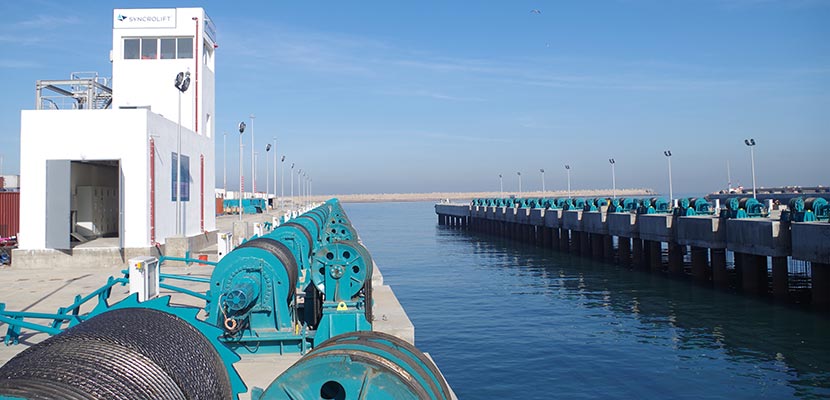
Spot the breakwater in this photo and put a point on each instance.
(788, 261)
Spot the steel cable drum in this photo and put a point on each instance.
(311, 225)
(298, 234)
(133, 352)
(358, 365)
(267, 250)
(348, 262)
(339, 232)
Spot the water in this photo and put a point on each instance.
(506, 320)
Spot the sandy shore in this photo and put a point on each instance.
(438, 196)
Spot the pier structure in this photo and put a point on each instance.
(769, 257)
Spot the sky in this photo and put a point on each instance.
(429, 96)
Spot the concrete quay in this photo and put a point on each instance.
(51, 286)
(763, 249)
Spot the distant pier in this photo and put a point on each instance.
(789, 261)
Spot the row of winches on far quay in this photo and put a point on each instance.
(305, 287)
(778, 250)
(798, 209)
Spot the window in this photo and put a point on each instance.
(185, 174)
(154, 48)
(185, 47)
(149, 48)
(131, 49)
(168, 49)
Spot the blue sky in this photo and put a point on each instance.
(422, 96)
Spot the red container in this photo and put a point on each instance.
(220, 209)
(9, 213)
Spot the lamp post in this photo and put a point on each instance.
(568, 171)
(299, 186)
(253, 162)
(501, 186)
(275, 169)
(667, 153)
(267, 178)
(182, 83)
(282, 181)
(542, 170)
(225, 162)
(291, 178)
(520, 182)
(751, 143)
(241, 175)
(613, 178)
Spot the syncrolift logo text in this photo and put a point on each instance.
(160, 19)
(144, 18)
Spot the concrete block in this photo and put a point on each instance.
(811, 241)
(390, 316)
(241, 231)
(622, 224)
(537, 217)
(572, 220)
(176, 246)
(656, 227)
(701, 231)
(523, 216)
(455, 210)
(594, 222)
(758, 236)
(553, 218)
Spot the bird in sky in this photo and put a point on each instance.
(535, 11)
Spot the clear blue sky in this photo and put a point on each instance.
(422, 96)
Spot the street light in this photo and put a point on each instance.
(613, 178)
(241, 175)
(253, 162)
(275, 169)
(542, 170)
(501, 186)
(520, 182)
(182, 83)
(291, 178)
(667, 153)
(267, 179)
(225, 162)
(282, 181)
(751, 143)
(568, 171)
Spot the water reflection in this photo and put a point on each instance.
(745, 330)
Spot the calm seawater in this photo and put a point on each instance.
(506, 320)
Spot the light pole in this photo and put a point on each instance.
(501, 186)
(282, 181)
(751, 143)
(267, 179)
(299, 186)
(291, 178)
(225, 162)
(253, 163)
(182, 83)
(241, 175)
(542, 170)
(568, 171)
(275, 169)
(667, 153)
(520, 182)
(613, 178)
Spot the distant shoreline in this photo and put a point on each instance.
(438, 196)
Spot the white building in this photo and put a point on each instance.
(106, 166)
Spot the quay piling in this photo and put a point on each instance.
(668, 243)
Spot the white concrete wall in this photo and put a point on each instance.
(82, 135)
(164, 134)
(142, 83)
(114, 135)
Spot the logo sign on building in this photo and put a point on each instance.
(144, 18)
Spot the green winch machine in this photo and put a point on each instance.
(305, 287)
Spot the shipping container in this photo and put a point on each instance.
(219, 206)
(9, 213)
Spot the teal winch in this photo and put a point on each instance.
(806, 210)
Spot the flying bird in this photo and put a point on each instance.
(535, 11)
